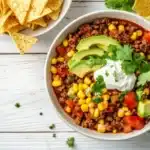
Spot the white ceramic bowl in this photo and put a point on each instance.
(71, 28)
(52, 24)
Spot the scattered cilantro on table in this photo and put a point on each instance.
(52, 126)
(70, 142)
(120, 4)
(17, 105)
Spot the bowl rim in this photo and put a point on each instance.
(56, 22)
(72, 125)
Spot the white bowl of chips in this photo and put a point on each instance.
(25, 19)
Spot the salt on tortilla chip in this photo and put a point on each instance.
(37, 7)
(22, 41)
(4, 18)
(142, 7)
(41, 22)
(20, 8)
(54, 15)
(54, 4)
(44, 13)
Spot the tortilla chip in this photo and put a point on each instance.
(54, 4)
(17, 28)
(20, 8)
(142, 7)
(41, 22)
(23, 42)
(2, 30)
(3, 7)
(37, 7)
(44, 13)
(54, 15)
(4, 18)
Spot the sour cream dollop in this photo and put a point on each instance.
(114, 77)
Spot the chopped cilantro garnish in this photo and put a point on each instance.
(115, 76)
(17, 105)
(70, 141)
(107, 73)
(52, 126)
(122, 95)
(99, 85)
(143, 79)
(139, 93)
(97, 100)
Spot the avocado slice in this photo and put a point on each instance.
(82, 68)
(144, 108)
(105, 41)
(80, 55)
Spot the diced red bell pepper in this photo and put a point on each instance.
(70, 103)
(147, 37)
(130, 100)
(61, 50)
(62, 72)
(135, 122)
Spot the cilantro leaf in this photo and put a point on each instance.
(112, 52)
(145, 67)
(143, 79)
(122, 95)
(120, 4)
(125, 53)
(139, 93)
(129, 67)
(99, 85)
(70, 141)
(97, 100)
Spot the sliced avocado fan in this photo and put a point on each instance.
(102, 40)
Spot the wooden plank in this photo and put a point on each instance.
(45, 141)
(21, 80)
(77, 9)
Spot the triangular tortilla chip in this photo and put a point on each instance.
(142, 7)
(54, 4)
(37, 7)
(20, 8)
(23, 42)
(4, 18)
(41, 22)
(17, 28)
(44, 13)
(54, 15)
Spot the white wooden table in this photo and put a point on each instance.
(21, 80)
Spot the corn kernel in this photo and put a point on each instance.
(142, 54)
(101, 121)
(106, 97)
(134, 36)
(114, 131)
(60, 59)
(56, 83)
(53, 70)
(87, 81)
(75, 88)
(56, 77)
(96, 113)
(148, 57)
(91, 85)
(125, 108)
(70, 53)
(101, 128)
(85, 86)
(91, 110)
(105, 104)
(89, 95)
(84, 107)
(128, 113)
(121, 113)
(54, 61)
(139, 32)
(81, 101)
(104, 90)
(146, 91)
(121, 28)
(91, 105)
(68, 109)
(65, 43)
(88, 100)
(111, 27)
(80, 86)
(101, 106)
(81, 94)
